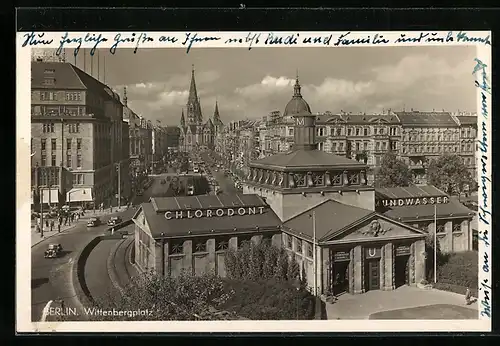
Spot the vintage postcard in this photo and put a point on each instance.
(253, 181)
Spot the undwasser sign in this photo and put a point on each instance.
(409, 201)
(198, 213)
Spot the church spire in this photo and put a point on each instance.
(183, 120)
(194, 115)
(193, 93)
(296, 88)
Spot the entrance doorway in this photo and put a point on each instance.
(401, 271)
(340, 277)
(372, 275)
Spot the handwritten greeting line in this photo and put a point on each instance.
(484, 212)
(193, 39)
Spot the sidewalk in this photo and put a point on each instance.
(36, 238)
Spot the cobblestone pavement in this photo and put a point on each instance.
(361, 306)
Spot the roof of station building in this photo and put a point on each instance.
(467, 120)
(409, 191)
(194, 226)
(331, 217)
(163, 204)
(425, 211)
(306, 159)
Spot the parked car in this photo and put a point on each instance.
(93, 222)
(53, 251)
(115, 220)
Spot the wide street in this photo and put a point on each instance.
(226, 184)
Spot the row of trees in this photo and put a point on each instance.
(447, 173)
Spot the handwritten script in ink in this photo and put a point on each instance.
(270, 39)
(484, 213)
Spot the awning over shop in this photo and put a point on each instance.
(49, 195)
(82, 194)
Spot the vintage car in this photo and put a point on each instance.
(93, 222)
(115, 220)
(53, 251)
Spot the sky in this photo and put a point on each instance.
(252, 83)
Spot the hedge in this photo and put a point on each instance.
(269, 300)
(459, 272)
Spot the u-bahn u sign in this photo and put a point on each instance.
(409, 201)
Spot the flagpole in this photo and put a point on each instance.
(314, 253)
(435, 243)
(98, 66)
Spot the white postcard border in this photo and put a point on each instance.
(481, 39)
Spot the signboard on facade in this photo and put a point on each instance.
(410, 201)
(402, 250)
(199, 213)
(372, 253)
(341, 256)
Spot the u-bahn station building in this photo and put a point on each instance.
(365, 238)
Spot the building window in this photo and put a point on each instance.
(74, 128)
(79, 160)
(337, 179)
(48, 127)
(289, 241)
(349, 132)
(299, 246)
(440, 228)
(68, 160)
(309, 250)
(334, 146)
(339, 132)
(53, 159)
(365, 132)
(177, 248)
(53, 144)
(222, 244)
(341, 146)
(44, 160)
(318, 179)
(357, 132)
(44, 143)
(68, 143)
(200, 246)
(353, 178)
(377, 146)
(457, 227)
(78, 144)
(300, 179)
(290, 132)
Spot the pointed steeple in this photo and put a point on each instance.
(194, 115)
(125, 99)
(217, 120)
(296, 88)
(193, 93)
(183, 120)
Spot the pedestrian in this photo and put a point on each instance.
(47, 223)
(66, 220)
(77, 217)
(37, 228)
(51, 225)
(72, 218)
(468, 296)
(59, 227)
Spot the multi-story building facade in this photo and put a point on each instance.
(76, 123)
(416, 137)
(425, 137)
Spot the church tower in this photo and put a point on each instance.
(183, 119)
(194, 116)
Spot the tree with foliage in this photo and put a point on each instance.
(186, 297)
(393, 172)
(449, 173)
(362, 157)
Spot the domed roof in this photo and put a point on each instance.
(297, 105)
